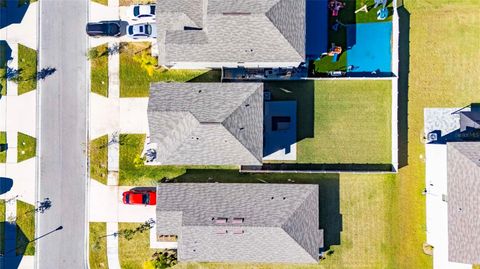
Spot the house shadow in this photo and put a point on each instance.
(5, 53)
(6, 184)
(303, 92)
(321, 167)
(403, 73)
(330, 219)
(12, 11)
(213, 75)
(12, 257)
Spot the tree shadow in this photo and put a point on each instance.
(12, 12)
(5, 53)
(6, 184)
(11, 257)
(403, 73)
(330, 219)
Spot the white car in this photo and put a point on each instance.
(138, 12)
(142, 30)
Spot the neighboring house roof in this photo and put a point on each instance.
(231, 31)
(280, 221)
(207, 123)
(463, 202)
(469, 120)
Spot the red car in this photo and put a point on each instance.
(140, 197)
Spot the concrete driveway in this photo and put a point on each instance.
(106, 205)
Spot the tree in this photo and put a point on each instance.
(146, 61)
(164, 258)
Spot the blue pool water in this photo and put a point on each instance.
(369, 48)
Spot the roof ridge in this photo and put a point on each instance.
(233, 113)
(269, 14)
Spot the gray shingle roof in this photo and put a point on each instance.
(282, 229)
(231, 31)
(207, 123)
(463, 202)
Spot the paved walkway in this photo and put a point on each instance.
(112, 246)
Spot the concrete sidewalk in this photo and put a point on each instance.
(112, 246)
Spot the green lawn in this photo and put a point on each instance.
(135, 81)
(131, 146)
(442, 74)
(25, 228)
(133, 253)
(329, 126)
(102, 2)
(99, 71)
(27, 64)
(26, 147)
(3, 145)
(358, 238)
(23, 2)
(98, 246)
(2, 226)
(99, 159)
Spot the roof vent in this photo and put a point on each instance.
(222, 232)
(221, 220)
(238, 231)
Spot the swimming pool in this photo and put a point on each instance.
(369, 50)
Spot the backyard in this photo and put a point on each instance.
(330, 129)
(344, 31)
(136, 62)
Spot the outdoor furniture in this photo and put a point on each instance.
(380, 2)
(364, 9)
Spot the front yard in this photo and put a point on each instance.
(135, 252)
(132, 174)
(346, 122)
(99, 69)
(135, 80)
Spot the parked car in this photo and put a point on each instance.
(103, 28)
(140, 197)
(142, 30)
(138, 12)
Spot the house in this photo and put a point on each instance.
(453, 186)
(230, 33)
(251, 223)
(206, 123)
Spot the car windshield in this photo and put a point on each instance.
(130, 30)
(136, 11)
(152, 10)
(148, 29)
(146, 198)
(127, 199)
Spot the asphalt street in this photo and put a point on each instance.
(63, 125)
